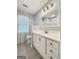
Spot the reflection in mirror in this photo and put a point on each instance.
(51, 19)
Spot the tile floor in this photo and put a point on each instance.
(24, 49)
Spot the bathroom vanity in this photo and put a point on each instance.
(48, 45)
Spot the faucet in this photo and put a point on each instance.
(46, 31)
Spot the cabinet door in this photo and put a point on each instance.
(35, 41)
(41, 42)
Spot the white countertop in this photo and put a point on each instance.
(54, 35)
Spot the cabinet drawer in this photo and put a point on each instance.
(52, 49)
(53, 52)
(52, 44)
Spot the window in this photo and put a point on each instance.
(23, 23)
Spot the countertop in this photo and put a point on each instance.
(54, 35)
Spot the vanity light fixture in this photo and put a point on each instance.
(49, 6)
(45, 8)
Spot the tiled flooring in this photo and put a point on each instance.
(24, 49)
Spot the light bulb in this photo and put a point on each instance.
(49, 6)
(45, 8)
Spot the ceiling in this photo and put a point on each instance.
(33, 5)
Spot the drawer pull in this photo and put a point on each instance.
(51, 57)
(51, 44)
(50, 50)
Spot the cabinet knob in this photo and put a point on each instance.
(51, 57)
(51, 51)
(51, 44)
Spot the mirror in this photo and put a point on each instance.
(50, 19)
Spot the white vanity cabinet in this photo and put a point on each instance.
(48, 48)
